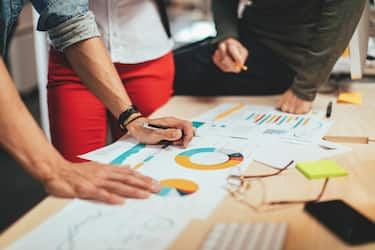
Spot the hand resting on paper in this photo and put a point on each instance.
(94, 181)
(181, 132)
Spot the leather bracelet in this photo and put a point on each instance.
(130, 121)
(124, 116)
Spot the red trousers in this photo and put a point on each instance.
(79, 121)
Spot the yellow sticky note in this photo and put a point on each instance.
(350, 97)
(320, 169)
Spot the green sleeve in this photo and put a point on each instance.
(336, 25)
(225, 17)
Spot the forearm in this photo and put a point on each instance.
(73, 30)
(93, 65)
(333, 32)
(20, 134)
(225, 17)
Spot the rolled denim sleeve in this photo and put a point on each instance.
(67, 21)
(9, 11)
(75, 30)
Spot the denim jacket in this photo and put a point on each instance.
(67, 21)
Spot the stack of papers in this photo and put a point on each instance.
(193, 180)
(278, 137)
(193, 183)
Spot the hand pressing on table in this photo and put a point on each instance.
(99, 182)
(230, 56)
(290, 103)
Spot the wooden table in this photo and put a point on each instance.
(358, 188)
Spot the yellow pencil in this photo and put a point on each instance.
(241, 66)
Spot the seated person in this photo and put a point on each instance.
(288, 47)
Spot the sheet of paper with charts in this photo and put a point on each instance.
(193, 183)
(193, 179)
(279, 137)
(86, 225)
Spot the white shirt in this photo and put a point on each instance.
(132, 30)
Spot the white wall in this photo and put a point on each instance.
(22, 54)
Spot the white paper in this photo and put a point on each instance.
(162, 165)
(86, 225)
(264, 122)
(141, 224)
(279, 154)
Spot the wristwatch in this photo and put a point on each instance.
(127, 117)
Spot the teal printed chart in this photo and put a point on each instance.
(197, 124)
(125, 155)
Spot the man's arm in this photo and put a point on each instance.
(22, 137)
(226, 18)
(334, 30)
(230, 55)
(91, 62)
(336, 25)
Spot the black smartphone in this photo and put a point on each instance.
(343, 220)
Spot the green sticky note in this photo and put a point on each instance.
(320, 169)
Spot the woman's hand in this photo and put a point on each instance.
(290, 103)
(181, 132)
(94, 181)
(230, 55)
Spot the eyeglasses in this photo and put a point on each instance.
(239, 185)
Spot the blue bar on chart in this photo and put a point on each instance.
(299, 122)
(122, 157)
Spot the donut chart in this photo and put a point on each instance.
(232, 158)
(177, 188)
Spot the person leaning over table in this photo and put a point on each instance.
(72, 29)
(137, 36)
(288, 47)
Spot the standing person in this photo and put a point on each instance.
(137, 35)
(73, 30)
(288, 47)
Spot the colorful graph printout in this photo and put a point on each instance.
(177, 188)
(291, 121)
(229, 112)
(232, 158)
(123, 156)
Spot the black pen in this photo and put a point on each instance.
(329, 110)
(164, 143)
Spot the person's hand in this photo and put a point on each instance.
(181, 132)
(290, 103)
(94, 181)
(230, 55)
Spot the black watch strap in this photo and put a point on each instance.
(124, 117)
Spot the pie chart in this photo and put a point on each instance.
(209, 158)
(177, 188)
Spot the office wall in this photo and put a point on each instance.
(22, 53)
